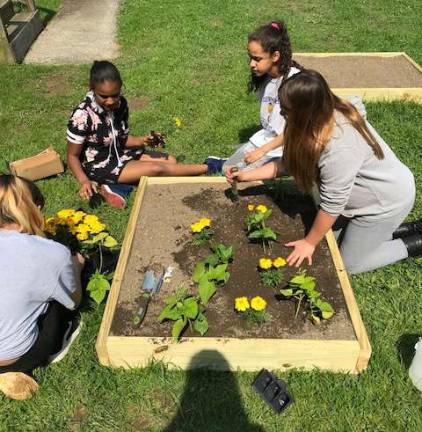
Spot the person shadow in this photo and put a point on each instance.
(406, 348)
(211, 399)
(245, 133)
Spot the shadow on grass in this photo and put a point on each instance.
(211, 399)
(406, 348)
(246, 132)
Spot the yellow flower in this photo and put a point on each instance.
(241, 304)
(196, 227)
(50, 226)
(251, 207)
(265, 263)
(200, 225)
(82, 228)
(261, 208)
(205, 222)
(82, 236)
(91, 219)
(258, 303)
(97, 228)
(65, 213)
(279, 262)
(177, 122)
(76, 217)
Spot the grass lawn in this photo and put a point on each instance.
(188, 59)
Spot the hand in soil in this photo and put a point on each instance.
(302, 250)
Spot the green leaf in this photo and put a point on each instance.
(286, 292)
(256, 234)
(326, 309)
(98, 295)
(169, 312)
(98, 282)
(100, 236)
(178, 326)
(191, 307)
(201, 324)
(268, 233)
(211, 260)
(110, 242)
(267, 214)
(298, 279)
(217, 273)
(206, 290)
(199, 271)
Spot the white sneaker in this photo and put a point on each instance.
(71, 334)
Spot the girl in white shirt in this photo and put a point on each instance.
(270, 60)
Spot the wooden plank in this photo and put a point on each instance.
(387, 94)
(355, 316)
(217, 353)
(410, 60)
(101, 344)
(6, 11)
(350, 54)
(190, 180)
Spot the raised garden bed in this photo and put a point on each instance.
(373, 76)
(158, 233)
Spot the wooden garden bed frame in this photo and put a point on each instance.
(350, 356)
(376, 93)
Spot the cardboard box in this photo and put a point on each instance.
(42, 165)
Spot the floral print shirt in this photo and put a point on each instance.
(103, 135)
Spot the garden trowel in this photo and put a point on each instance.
(151, 285)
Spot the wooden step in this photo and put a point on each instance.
(22, 30)
(6, 11)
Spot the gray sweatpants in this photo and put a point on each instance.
(367, 244)
(238, 158)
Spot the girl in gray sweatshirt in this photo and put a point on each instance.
(365, 192)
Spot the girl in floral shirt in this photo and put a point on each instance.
(100, 149)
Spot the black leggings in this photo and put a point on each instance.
(52, 326)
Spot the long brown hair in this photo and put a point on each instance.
(20, 203)
(308, 105)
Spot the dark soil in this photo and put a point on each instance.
(364, 71)
(162, 238)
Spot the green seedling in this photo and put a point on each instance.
(302, 288)
(272, 277)
(184, 310)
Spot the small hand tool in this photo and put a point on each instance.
(151, 285)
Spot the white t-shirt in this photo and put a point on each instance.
(271, 121)
(33, 271)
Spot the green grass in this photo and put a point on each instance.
(187, 59)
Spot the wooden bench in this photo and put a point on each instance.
(18, 30)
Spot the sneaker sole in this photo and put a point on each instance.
(55, 358)
(111, 198)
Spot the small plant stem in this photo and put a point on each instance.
(298, 306)
(101, 258)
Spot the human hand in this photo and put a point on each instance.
(255, 155)
(231, 176)
(302, 250)
(87, 189)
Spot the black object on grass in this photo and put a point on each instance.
(157, 140)
(272, 390)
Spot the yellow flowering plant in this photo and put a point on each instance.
(271, 272)
(253, 311)
(256, 225)
(201, 231)
(85, 233)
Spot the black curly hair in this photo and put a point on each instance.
(273, 37)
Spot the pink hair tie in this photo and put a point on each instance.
(275, 25)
